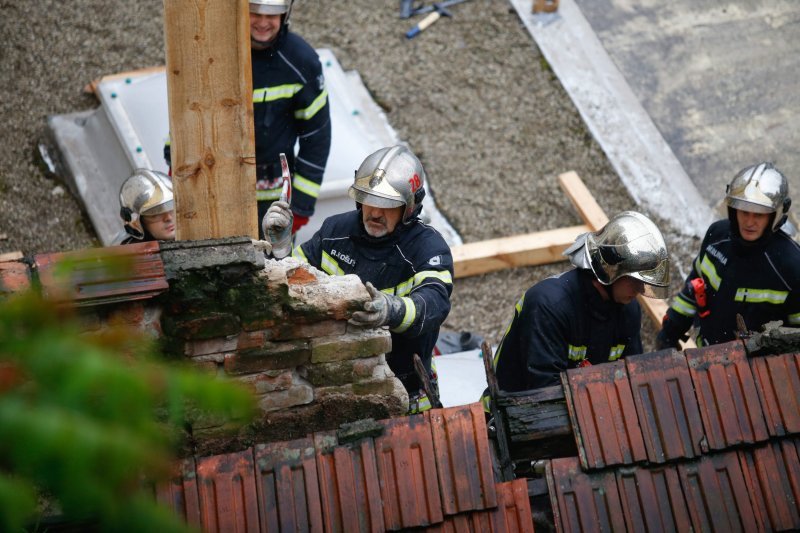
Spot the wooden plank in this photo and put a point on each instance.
(11, 256)
(530, 249)
(209, 82)
(92, 86)
(589, 210)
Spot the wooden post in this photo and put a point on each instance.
(503, 452)
(209, 81)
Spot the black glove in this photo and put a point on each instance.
(663, 341)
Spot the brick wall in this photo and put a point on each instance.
(280, 327)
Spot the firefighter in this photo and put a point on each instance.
(290, 105)
(587, 315)
(406, 265)
(147, 207)
(747, 265)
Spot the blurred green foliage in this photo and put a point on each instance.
(90, 420)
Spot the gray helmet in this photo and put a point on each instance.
(272, 7)
(391, 177)
(628, 245)
(146, 192)
(760, 188)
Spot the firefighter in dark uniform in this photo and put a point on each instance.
(406, 265)
(747, 265)
(290, 105)
(587, 315)
(147, 208)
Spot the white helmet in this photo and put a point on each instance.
(760, 188)
(146, 192)
(271, 7)
(391, 177)
(628, 245)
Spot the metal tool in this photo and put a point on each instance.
(428, 9)
(439, 12)
(286, 191)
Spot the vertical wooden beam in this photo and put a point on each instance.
(209, 81)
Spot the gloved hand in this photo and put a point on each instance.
(378, 310)
(670, 335)
(663, 341)
(277, 226)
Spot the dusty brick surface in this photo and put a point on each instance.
(354, 344)
(296, 394)
(273, 356)
(15, 276)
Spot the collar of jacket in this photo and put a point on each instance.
(599, 308)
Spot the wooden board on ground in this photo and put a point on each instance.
(538, 248)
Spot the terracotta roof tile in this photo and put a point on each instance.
(666, 405)
(717, 495)
(726, 395)
(772, 473)
(603, 416)
(778, 382)
(513, 513)
(583, 501)
(463, 461)
(227, 490)
(393, 481)
(287, 486)
(652, 499)
(104, 275)
(407, 468)
(349, 486)
(180, 493)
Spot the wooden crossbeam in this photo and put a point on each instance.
(538, 248)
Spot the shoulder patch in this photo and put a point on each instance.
(435, 261)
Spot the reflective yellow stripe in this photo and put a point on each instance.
(760, 296)
(684, 307)
(794, 318)
(405, 287)
(486, 401)
(305, 185)
(576, 353)
(316, 105)
(616, 352)
(419, 404)
(330, 265)
(409, 317)
(298, 253)
(269, 94)
(708, 268)
(268, 194)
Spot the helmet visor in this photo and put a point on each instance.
(750, 207)
(159, 209)
(268, 9)
(373, 199)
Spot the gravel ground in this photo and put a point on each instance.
(472, 96)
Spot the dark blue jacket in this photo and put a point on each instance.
(413, 262)
(760, 281)
(290, 104)
(560, 322)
